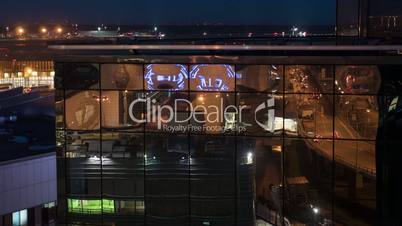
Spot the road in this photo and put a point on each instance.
(352, 152)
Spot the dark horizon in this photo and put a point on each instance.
(176, 12)
(160, 12)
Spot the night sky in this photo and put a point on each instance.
(158, 12)
(277, 12)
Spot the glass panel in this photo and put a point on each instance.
(24, 217)
(308, 176)
(356, 154)
(309, 79)
(212, 77)
(259, 175)
(122, 76)
(262, 78)
(212, 168)
(59, 74)
(355, 183)
(348, 17)
(83, 163)
(166, 77)
(59, 109)
(123, 176)
(357, 80)
(309, 115)
(167, 179)
(82, 110)
(122, 145)
(81, 76)
(16, 218)
(356, 117)
(122, 151)
(260, 114)
(213, 113)
(117, 110)
(60, 142)
(91, 207)
(167, 112)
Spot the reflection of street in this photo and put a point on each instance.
(358, 155)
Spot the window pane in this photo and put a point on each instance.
(355, 183)
(356, 117)
(81, 76)
(212, 181)
(259, 170)
(167, 179)
(262, 78)
(167, 111)
(213, 113)
(59, 75)
(348, 17)
(122, 76)
(82, 110)
(212, 77)
(261, 114)
(16, 218)
(357, 80)
(59, 109)
(116, 113)
(309, 115)
(309, 79)
(308, 178)
(166, 77)
(24, 217)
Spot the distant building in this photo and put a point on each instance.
(26, 73)
(385, 26)
(281, 168)
(97, 34)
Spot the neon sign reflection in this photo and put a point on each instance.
(213, 77)
(166, 77)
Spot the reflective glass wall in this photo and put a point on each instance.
(216, 144)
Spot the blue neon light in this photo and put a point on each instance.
(154, 80)
(211, 82)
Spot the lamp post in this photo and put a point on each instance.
(121, 79)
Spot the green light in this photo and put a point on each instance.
(90, 206)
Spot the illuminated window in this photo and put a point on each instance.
(49, 205)
(393, 104)
(20, 218)
(91, 206)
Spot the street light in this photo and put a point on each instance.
(59, 30)
(20, 31)
(43, 30)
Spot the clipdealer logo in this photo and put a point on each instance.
(200, 117)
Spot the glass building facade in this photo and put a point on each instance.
(284, 144)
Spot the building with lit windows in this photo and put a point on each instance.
(225, 135)
(26, 73)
